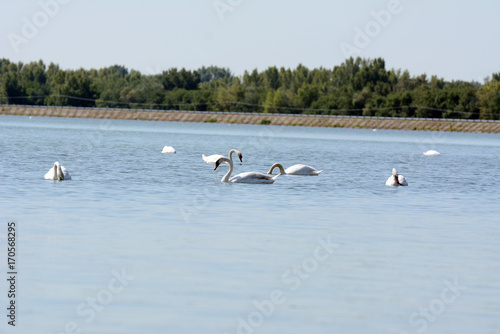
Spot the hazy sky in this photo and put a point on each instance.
(457, 40)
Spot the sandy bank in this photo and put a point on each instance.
(273, 119)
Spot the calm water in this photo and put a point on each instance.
(142, 242)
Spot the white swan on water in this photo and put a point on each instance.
(211, 159)
(58, 173)
(295, 170)
(432, 152)
(249, 177)
(168, 150)
(396, 179)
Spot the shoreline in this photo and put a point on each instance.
(258, 119)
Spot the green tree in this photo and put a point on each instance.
(489, 100)
(306, 95)
(271, 78)
(211, 73)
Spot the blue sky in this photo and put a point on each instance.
(456, 40)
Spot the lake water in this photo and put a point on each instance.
(143, 242)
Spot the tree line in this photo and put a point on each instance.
(355, 87)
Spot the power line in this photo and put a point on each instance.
(195, 104)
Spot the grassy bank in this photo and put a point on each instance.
(258, 119)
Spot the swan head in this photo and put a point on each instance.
(240, 156)
(222, 160)
(218, 163)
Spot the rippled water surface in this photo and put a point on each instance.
(143, 242)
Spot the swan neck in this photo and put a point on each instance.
(55, 176)
(60, 175)
(229, 172)
(282, 171)
(231, 154)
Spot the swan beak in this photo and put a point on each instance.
(216, 165)
(241, 158)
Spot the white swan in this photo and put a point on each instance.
(249, 177)
(295, 170)
(58, 173)
(396, 180)
(211, 159)
(168, 150)
(432, 152)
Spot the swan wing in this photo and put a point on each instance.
(253, 177)
(432, 152)
(65, 173)
(50, 174)
(168, 150)
(391, 182)
(211, 159)
(300, 169)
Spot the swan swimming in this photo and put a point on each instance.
(432, 152)
(58, 173)
(396, 179)
(168, 150)
(295, 170)
(248, 177)
(211, 159)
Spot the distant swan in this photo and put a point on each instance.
(295, 170)
(396, 180)
(432, 152)
(58, 173)
(249, 177)
(168, 150)
(211, 159)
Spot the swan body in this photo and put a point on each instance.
(432, 152)
(57, 173)
(295, 170)
(396, 179)
(248, 177)
(212, 159)
(168, 150)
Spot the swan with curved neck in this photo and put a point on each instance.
(57, 173)
(295, 170)
(279, 166)
(249, 177)
(396, 179)
(211, 159)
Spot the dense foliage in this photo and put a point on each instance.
(356, 87)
